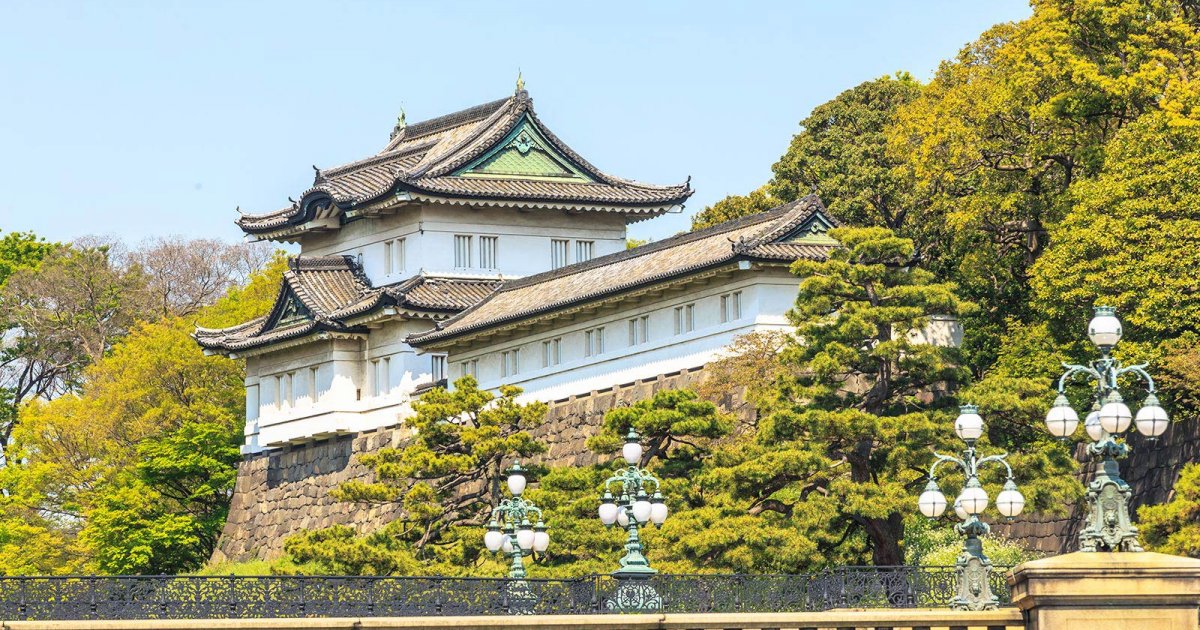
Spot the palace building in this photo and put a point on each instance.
(479, 243)
(391, 244)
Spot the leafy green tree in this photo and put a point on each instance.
(841, 154)
(21, 250)
(132, 474)
(59, 316)
(846, 438)
(1174, 527)
(673, 423)
(451, 472)
(733, 207)
(1003, 131)
(1132, 237)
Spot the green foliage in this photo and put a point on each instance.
(446, 479)
(841, 154)
(1132, 230)
(133, 473)
(673, 424)
(733, 207)
(849, 429)
(1174, 527)
(1001, 134)
(132, 530)
(21, 250)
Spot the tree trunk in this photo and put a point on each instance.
(885, 540)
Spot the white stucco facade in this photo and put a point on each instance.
(421, 239)
(356, 382)
(754, 300)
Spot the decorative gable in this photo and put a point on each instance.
(524, 154)
(291, 311)
(814, 230)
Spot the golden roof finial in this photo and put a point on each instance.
(520, 81)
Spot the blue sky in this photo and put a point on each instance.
(151, 118)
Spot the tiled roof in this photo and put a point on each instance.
(761, 236)
(330, 290)
(426, 158)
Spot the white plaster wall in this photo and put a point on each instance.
(345, 399)
(523, 246)
(766, 297)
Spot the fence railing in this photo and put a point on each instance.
(280, 596)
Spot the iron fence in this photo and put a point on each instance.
(212, 597)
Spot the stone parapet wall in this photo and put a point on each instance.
(283, 492)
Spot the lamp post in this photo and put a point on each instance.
(512, 530)
(973, 567)
(632, 508)
(1108, 526)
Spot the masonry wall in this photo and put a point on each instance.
(282, 492)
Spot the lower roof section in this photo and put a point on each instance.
(330, 294)
(784, 234)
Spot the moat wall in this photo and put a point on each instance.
(284, 492)
(280, 493)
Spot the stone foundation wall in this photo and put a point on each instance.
(284, 492)
(280, 493)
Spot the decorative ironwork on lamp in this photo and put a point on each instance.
(512, 532)
(973, 568)
(1108, 526)
(632, 508)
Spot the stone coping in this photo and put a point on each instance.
(1006, 618)
(1107, 579)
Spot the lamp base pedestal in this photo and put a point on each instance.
(519, 597)
(634, 594)
(973, 570)
(1108, 525)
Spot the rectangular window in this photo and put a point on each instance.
(583, 250)
(468, 368)
(397, 257)
(387, 258)
(278, 392)
(731, 307)
(379, 377)
(639, 330)
(385, 376)
(685, 319)
(551, 352)
(290, 395)
(487, 252)
(313, 395)
(438, 367)
(593, 342)
(558, 253)
(462, 251)
(510, 362)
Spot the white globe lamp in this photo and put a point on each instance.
(969, 425)
(1115, 416)
(1105, 329)
(1061, 420)
(932, 502)
(1151, 419)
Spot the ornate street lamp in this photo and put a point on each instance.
(513, 531)
(973, 567)
(631, 508)
(1108, 526)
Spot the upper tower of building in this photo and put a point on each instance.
(498, 154)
